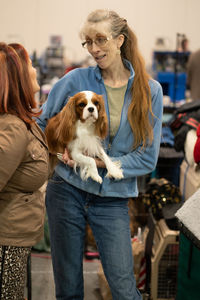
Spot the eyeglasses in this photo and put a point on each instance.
(100, 41)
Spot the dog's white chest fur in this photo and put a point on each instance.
(87, 145)
(86, 141)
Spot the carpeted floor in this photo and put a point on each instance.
(42, 278)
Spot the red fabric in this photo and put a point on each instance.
(197, 147)
(198, 131)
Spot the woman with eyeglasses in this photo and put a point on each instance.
(133, 104)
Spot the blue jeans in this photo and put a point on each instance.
(68, 210)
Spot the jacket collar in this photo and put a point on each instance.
(126, 63)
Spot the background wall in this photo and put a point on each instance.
(32, 22)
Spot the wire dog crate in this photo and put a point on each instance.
(164, 262)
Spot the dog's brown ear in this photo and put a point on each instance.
(66, 127)
(102, 122)
(51, 134)
(60, 129)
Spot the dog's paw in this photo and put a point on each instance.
(96, 178)
(115, 171)
(88, 172)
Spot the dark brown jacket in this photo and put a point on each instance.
(23, 170)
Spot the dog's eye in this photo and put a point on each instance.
(96, 103)
(82, 104)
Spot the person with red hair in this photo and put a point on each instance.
(23, 168)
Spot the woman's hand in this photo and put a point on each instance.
(67, 159)
(99, 163)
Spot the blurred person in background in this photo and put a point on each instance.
(193, 75)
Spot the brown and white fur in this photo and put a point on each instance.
(80, 126)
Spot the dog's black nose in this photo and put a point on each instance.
(90, 109)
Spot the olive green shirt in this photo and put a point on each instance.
(115, 102)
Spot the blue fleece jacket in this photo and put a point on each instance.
(134, 162)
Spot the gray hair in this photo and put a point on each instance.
(118, 25)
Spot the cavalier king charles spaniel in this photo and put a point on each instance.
(80, 126)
